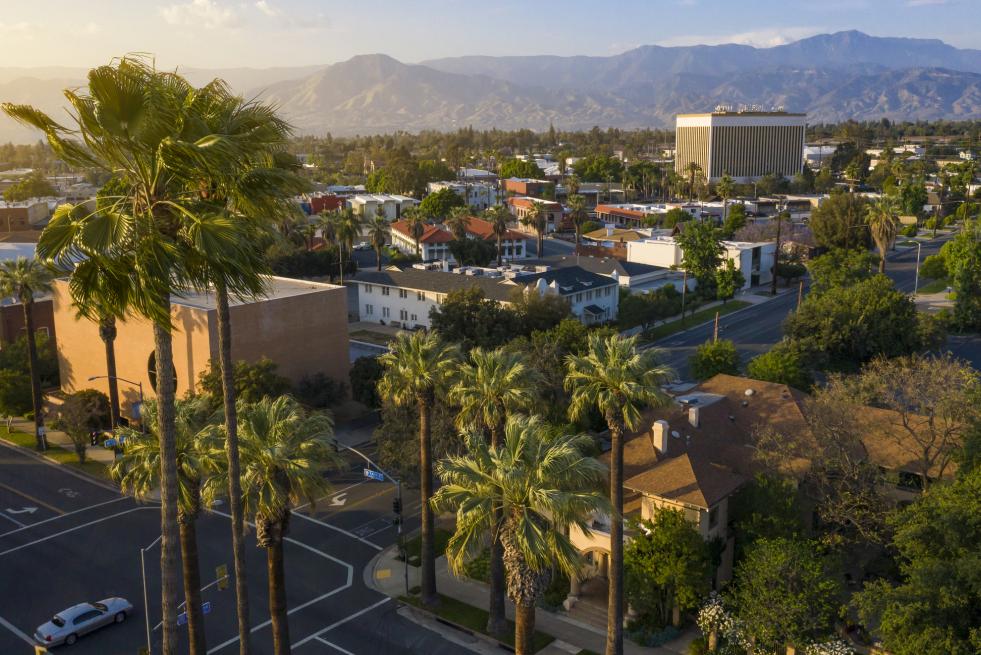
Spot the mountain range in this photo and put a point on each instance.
(832, 77)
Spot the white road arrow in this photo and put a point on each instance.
(338, 500)
(26, 510)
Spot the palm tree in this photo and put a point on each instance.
(135, 123)
(489, 388)
(285, 454)
(138, 473)
(416, 368)
(725, 189)
(578, 213)
(536, 482)
(620, 381)
(499, 217)
(884, 226)
(457, 222)
(537, 218)
(378, 234)
(692, 169)
(347, 229)
(23, 279)
(572, 184)
(326, 223)
(416, 221)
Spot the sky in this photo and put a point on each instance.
(268, 33)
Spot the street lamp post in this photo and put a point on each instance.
(139, 385)
(146, 597)
(916, 278)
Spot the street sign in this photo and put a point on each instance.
(374, 475)
(206, 607)
(40, 650)
(182, 618)
(221, 574)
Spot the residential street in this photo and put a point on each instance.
(79, 541)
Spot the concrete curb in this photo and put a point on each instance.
(81, 475)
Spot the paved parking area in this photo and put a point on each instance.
(64, 540)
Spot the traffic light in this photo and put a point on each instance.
(397, 505)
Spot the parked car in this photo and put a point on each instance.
(364, 245)
(68, 625)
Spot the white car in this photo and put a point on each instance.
(68, 625)
(364, 245)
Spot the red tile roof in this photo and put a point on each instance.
(482, 229)
(431, 233)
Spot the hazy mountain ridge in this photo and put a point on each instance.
(832, 77)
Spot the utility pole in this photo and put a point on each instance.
(684, 293)
(716, 335)
(776, 257)
(800, 294)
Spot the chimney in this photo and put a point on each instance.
(693, 416)
(659, 436)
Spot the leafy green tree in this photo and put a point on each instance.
(735, 220)
(728, 280)
(285, 456)
(15, 356)
(839, 222)
(933, 609)
(15, 393)
(790, 270)
(365, 374)
(457, 221)
(883, 226)
(80, 414)
(963, 258)
(675, 216)
(468, 318)
(534, 312)
(24, 279)
(417, 368)
(702, 254)
(714, 357)
(667, 567)
(934, 267)
(472, 252)
(35, 185)
(598, 168)
(521, 169)
(541, 483)
(644, 308)
(620, 381)
(768, 507)
(252, 380)
(782, 364)
(912, 197)
(847, 326)
(839, 268)
(785, 594)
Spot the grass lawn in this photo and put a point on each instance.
(473, 618)
(368, 336)
(58, 454)
(413, 547)
(936, 286)
(668, 329)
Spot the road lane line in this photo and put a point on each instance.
(337, 529)
(351, 617)
(334, 646)
(10, 626)
(10, 518)
(55, 518)
(77, 527)
(32, 499)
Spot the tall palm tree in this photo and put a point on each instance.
(285, 453)
(537, 219)
(490, 387)
(138, 473)
(693, 169)
(23, 279)
(884, 226)
(620, 381)
(378, 231)
(499, 217)
(348, 228)
(326, 223)
(578, 214)
(416, 221)
(457, 222)
(134, 122)
(725, 188)
(417, 367)
(536, 482)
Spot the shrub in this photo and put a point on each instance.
(320, 391)
(714, 357)
(934, 267)
(365, 373)
(931, 224)
(15, 393)
(782, 364)
(909, 231)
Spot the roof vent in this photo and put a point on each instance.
(745, 403)
(749, 392)
(675, 434)
(732, 418)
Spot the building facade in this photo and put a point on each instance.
(522, 207)
(434, 244)
(745, 145)
(367, 205)
(753, 260)
(477, 195)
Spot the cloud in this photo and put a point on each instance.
(22, 29)
(925, 3)
(267, 9)
(765, 38)
(210, 14)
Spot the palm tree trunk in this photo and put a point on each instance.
(524, 629)
(496, 618)
(32, 367)
(107, 331)
(169, 546)
(340, 257)
(614, 614)
(499, 250)
(277, 597)
(428, 553)
(192, 586)
(378, 256)
(234, 469)
(882, 258)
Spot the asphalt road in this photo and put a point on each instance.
(82, 542)
(755, 329)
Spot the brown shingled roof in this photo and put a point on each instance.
(687, 479)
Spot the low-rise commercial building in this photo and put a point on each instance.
(477, 195)
(522, 207)
(393, 206)
(520, 186)
(20, 216)
(754, 260)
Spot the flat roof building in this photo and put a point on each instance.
(743, 144)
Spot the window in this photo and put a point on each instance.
(385, 291)
(609, 290)
(85, 617)
(713, 517)
(385, 312)
(578, 297)
(369, 310)
(420, 295)
(403, 293)
(403, 315)
(589, 295)
(415, 318)
(367, 288)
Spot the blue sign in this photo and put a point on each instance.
(374, 475)
(206, 607)
(182, 618)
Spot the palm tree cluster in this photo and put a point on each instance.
(198, 175)
(521, 483)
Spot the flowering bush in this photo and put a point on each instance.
(833, 647)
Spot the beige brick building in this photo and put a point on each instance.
(300, 325)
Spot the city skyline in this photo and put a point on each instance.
(271, 33)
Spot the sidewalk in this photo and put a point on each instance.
(386, 574)
(58, 439)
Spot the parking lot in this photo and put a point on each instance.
(64, 540)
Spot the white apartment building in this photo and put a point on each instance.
(743, 144)
(404, 297)
(477, 195)
(394, 205)
(435, 240)
(754, 260)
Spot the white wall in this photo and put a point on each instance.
(655, 252)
